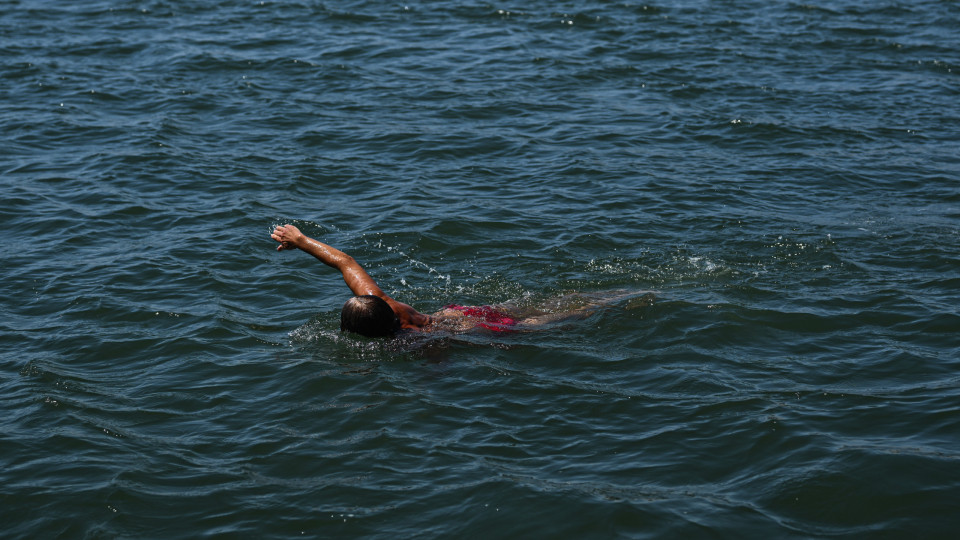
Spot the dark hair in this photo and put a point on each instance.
(368, 315)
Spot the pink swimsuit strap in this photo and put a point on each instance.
(490, 317)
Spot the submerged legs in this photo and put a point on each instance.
(573, 306)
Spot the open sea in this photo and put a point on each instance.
(784, 176)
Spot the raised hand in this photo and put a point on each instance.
(289, 237)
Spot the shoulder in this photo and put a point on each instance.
(409, 317)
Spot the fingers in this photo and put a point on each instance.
(278, 236)
(282, 230)
(286, 235)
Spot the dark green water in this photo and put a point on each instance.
(784, 176)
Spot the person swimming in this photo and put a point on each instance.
(373, 313)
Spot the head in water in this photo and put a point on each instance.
(369, 316)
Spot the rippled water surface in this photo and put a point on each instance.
(784, 176)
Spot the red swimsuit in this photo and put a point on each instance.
(490, 318)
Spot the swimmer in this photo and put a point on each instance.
(373, 313)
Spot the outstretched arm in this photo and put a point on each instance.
(354, 275)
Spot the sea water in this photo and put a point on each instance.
(783, 176)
